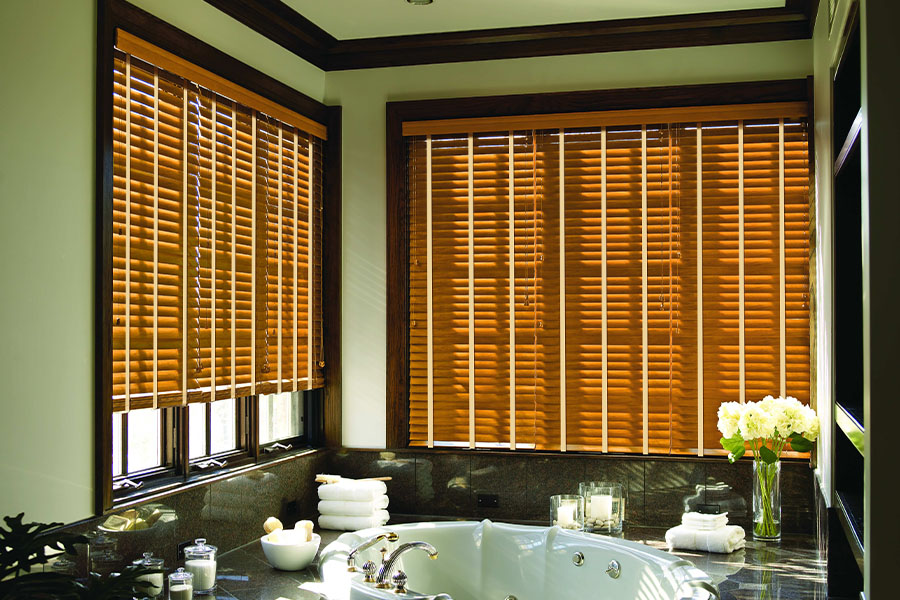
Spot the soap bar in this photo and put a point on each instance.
(272, 524)
(306, 529)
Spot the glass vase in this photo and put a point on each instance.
(767, 501)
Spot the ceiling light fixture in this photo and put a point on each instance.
(420, 2)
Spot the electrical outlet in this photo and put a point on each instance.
(181, 547)
(488, 501)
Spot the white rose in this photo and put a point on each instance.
(729, 416)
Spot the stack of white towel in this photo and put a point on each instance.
(709, 533)
(350, 504)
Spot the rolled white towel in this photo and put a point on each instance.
(723, 540)
(704, 522)
(348, 508)
(345, 523)
(352, 490)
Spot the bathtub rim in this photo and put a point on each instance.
(686, 575)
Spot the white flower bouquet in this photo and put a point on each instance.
(769, 427)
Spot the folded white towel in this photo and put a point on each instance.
(355, 491)
(347, 508)
(345, 523)
(723, 540)
(704, 522)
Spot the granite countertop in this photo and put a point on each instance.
(793, 569)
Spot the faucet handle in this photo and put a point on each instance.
(384, 553)
(399, 580)
(369, 569)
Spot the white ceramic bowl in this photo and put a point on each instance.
(288, 554)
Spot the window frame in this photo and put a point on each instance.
(177, 472)
(397, 380)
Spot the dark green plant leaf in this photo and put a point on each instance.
(766, 454)
(23, 546)
(800, 443)
(119, 587)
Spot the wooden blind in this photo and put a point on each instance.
(605, 288)
(216, 245)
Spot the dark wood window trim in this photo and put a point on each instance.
(113, 14)
(288, 28)
(397, 434)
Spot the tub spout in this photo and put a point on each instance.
(389, 536)
(387, 568)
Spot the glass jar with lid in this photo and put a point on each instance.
(155, 580)
(102, 553)
(65, 564)
(200, 561)
(181, 585)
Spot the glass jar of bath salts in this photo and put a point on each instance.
(181, 585)
(154, 579)
(200, 561)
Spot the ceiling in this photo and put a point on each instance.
(349, 19)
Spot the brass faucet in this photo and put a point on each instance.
(390, 536)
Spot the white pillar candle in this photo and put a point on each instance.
(181, 591)
(601, 507)
(156, 584)
(565, 516)
(204, 572)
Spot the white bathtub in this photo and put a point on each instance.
(497, 561)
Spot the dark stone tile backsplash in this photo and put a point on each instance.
(426, 484)
(447, 484)
(228, 513)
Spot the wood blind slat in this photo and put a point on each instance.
(638, 200)
(190, 313)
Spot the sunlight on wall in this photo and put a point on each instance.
(363, 95)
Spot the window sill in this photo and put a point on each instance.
(169, 488)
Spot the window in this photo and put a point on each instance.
(216, 270)
(603, 281)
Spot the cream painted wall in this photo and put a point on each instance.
(46, 298)
(363, 95)
(47, 240)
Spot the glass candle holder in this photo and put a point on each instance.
(181, 585)
(200, 561)
(155, 580)
(604, 503)
(567, 511)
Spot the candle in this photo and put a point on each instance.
(565, 516)
(601, 507)
(204, 572)
(156, 584)
(181, 591)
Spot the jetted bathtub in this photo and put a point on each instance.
(498, 561)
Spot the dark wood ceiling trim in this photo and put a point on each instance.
(733, 27)
(283, 25)
(146, 26)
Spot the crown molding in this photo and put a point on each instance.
(283, 25)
